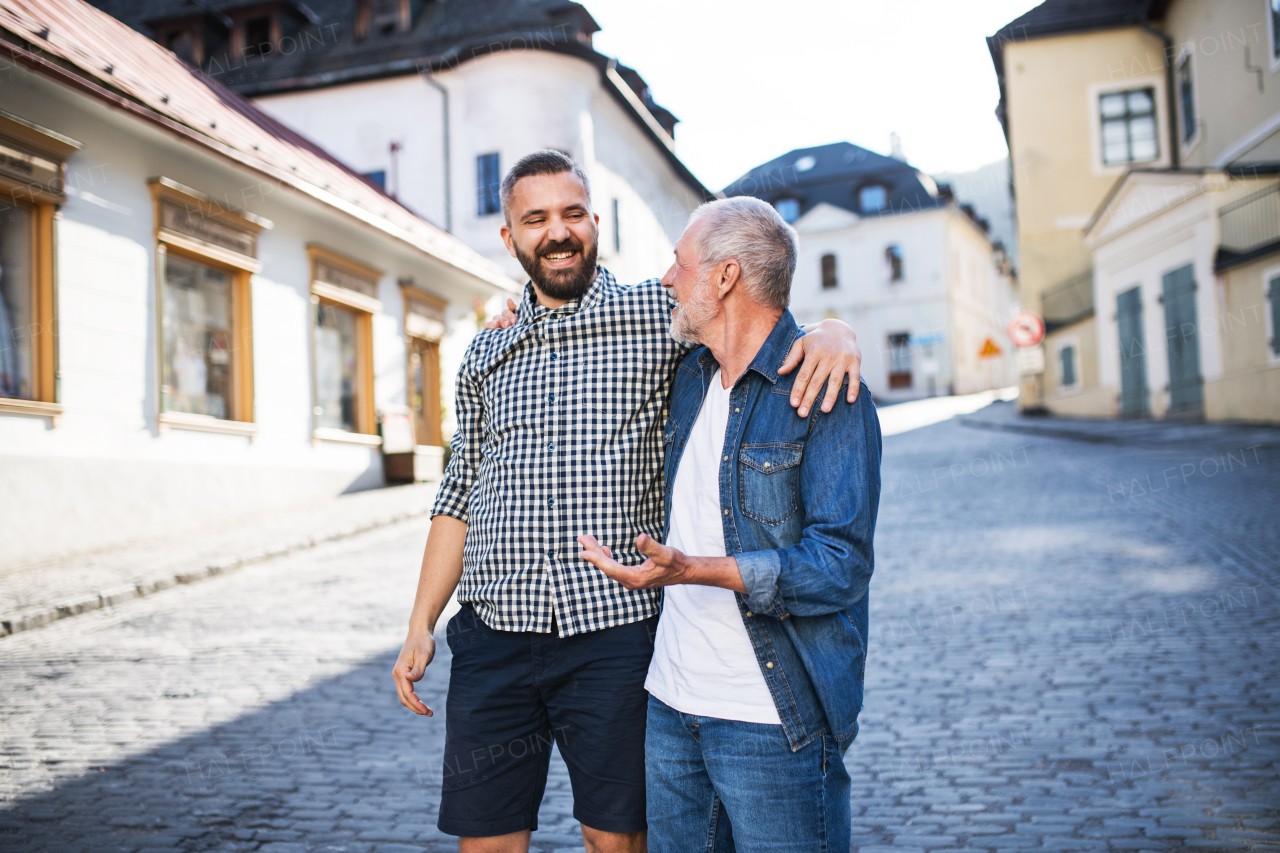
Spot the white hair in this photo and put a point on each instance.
(749, 231)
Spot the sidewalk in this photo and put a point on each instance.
(37, 594)
(1152, 434)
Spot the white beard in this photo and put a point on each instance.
(693, 316)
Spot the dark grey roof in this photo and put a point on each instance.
(839, 171)
(443, 34)
(1061, 17)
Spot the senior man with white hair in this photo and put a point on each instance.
(756, 678)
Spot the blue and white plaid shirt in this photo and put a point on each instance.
(559, 434)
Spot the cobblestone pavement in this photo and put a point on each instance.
(1074, 647)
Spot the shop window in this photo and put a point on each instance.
(32, 179)
(206, 254)
(1129, 127)
(617, 228)
(900, 360)
(344, 300)
(424, 329)
(829, 281)
(893, 262)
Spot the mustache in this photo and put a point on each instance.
(569, 245)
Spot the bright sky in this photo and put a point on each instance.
(751, 80)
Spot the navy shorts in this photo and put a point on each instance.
(511, 694)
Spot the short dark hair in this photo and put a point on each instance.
(545, 162)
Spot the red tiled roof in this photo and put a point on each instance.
(79, 45)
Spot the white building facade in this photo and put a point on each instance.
(435, 101)
(891, 254)
(205, 321)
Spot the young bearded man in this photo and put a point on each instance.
(559, 433)
(756, 678)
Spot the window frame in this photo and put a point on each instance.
(791, 200)
(1273, 36)
(1187, 143)
(1164, 144)
(240, 267)
(894, 380)
(1269, 275)
(483, 199)
(895, 260)
(834, 277)
(1068, 342)
(862, 209)
(42, 199)
(414, 337)
(364, 307)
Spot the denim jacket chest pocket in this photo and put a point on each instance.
(768, 481)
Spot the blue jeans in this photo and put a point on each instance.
(722, 786)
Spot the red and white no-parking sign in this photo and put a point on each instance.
(1026, 330)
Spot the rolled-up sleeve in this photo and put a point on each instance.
(829, 569)
(454, 495)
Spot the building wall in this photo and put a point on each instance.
(107, 473)
(943, 301)
(510, 103)
(1249, 387)
(1236, 108)
(1052, 87)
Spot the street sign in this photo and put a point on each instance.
(1031, 360)
(1026, 330)
(989, 349)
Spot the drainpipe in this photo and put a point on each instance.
(1175, 156)
(448, 171)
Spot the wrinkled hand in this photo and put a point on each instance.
(417, 652)
(830, 351)
(505, 319)
(664, 567)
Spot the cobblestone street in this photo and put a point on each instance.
(1074, 647)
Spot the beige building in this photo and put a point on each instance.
(1144, 141)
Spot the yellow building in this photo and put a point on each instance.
(1144, 144)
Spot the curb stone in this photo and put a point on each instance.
(37, 617)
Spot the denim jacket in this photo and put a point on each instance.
(800, 498)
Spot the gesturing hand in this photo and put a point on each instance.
(664, 567)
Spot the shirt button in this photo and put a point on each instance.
(554, 356)
(769, 665)
(749, 613)
(726, 459)
(551, 398)
(551, 447)
(736, 410)
(551, 501)
(726, 512)
(550, 554)
(766, 464)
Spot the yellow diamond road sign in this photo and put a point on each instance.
(989, 349)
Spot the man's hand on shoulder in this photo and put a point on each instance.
(505, 319)
(830, 352)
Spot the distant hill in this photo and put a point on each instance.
(987, 189)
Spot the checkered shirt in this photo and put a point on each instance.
(559, 434)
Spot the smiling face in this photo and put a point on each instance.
(691, 288)
(553, 233)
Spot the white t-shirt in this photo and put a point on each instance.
(703, 662)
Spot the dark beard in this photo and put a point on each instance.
(566, 284)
